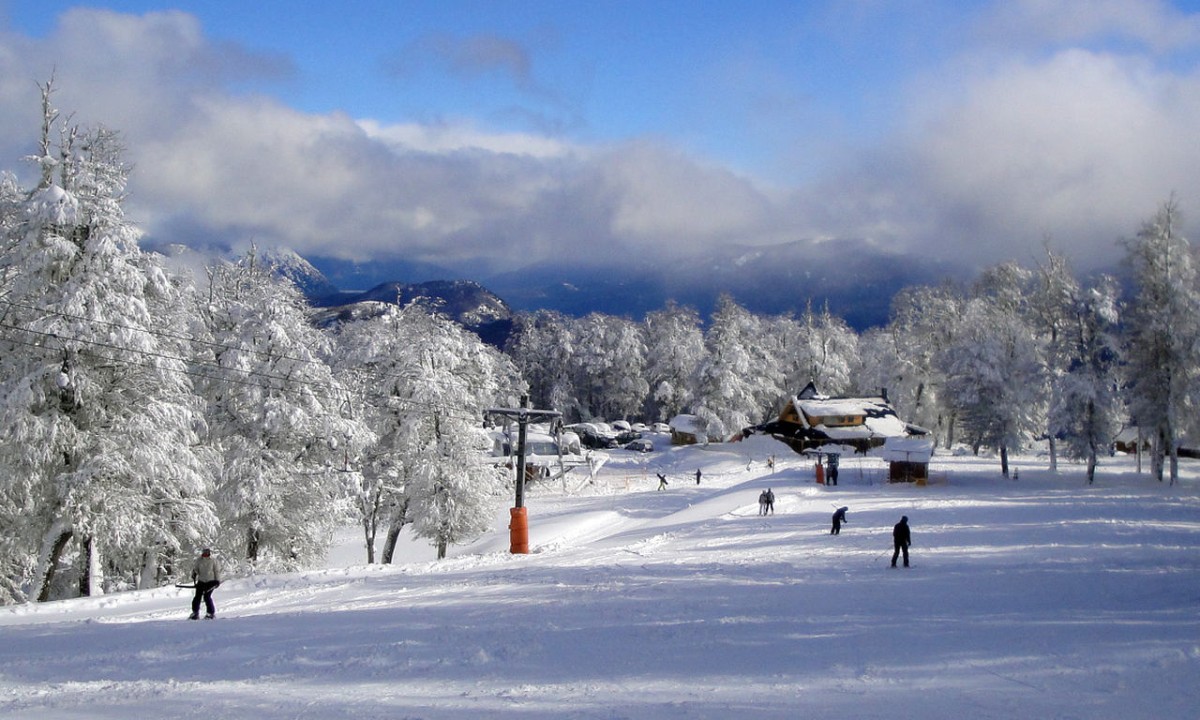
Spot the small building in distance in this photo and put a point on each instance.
(811, 420)
(691, 430)
(908, 458)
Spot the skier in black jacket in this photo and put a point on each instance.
(901, 538)
(839, 517)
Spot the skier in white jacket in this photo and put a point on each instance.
(206, 573)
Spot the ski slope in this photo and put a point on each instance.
(1035, 598)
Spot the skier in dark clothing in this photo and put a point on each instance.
(901, 538)
(207, 576)
(839, 517)
(831, 471)
(769, 502)
(697, 476)
(662, 480)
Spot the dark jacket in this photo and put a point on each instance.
(900, 534)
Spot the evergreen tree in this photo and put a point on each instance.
(97, 460)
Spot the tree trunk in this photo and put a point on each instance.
(389, 545)
(55, 542)
(441, 549)
(1004, 460)
(1053, 454)
(1156, 456)
(252, 545)
(369, 537)
(399, 518)
(91, 580)
(149, 571)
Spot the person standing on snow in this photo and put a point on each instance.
(662, 480)
(762, 503)
(697, 476)
(839, 517)
(901, 539)
(770, 504)
(206, 573)
(831, 469)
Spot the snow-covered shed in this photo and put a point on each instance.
(907, 458)
(1127, 440)
(690, 430)
(810, 420)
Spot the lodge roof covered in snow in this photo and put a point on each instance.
(810, 419)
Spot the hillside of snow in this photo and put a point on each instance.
(1038, 597)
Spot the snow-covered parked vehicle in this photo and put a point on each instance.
(640, 445)
(547, 454)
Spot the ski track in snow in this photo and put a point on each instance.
(1038, 598)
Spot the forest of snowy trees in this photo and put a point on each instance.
(147, 412)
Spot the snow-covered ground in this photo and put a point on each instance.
(1038, 597)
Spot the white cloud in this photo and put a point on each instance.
(1076, 148)
(1078, 145)
(464, 137)
(1154, 24)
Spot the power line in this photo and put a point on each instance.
(221, 347)
(333, 392)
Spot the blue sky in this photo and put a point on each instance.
(513, 131)
(729, 80)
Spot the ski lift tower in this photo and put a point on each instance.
(518, 526)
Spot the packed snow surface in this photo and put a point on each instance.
(1037, 597)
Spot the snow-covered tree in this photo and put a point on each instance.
(610, 364)
(994, 377)
(1053, 309)
(276, 418)
(820, 348)
(450, 379)
(1163, 334)
(384, 358)
(901, 356)
(542, 346)
(1086, 408)
(675, 347)
(728, 387)
(98, 465)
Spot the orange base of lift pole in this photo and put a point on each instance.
(518, 531)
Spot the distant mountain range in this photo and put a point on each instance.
(855, 279)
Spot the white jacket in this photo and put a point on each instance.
(206, 570)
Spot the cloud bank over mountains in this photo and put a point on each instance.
(1045, 122)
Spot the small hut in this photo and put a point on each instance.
(907, 459)
(689, 430)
